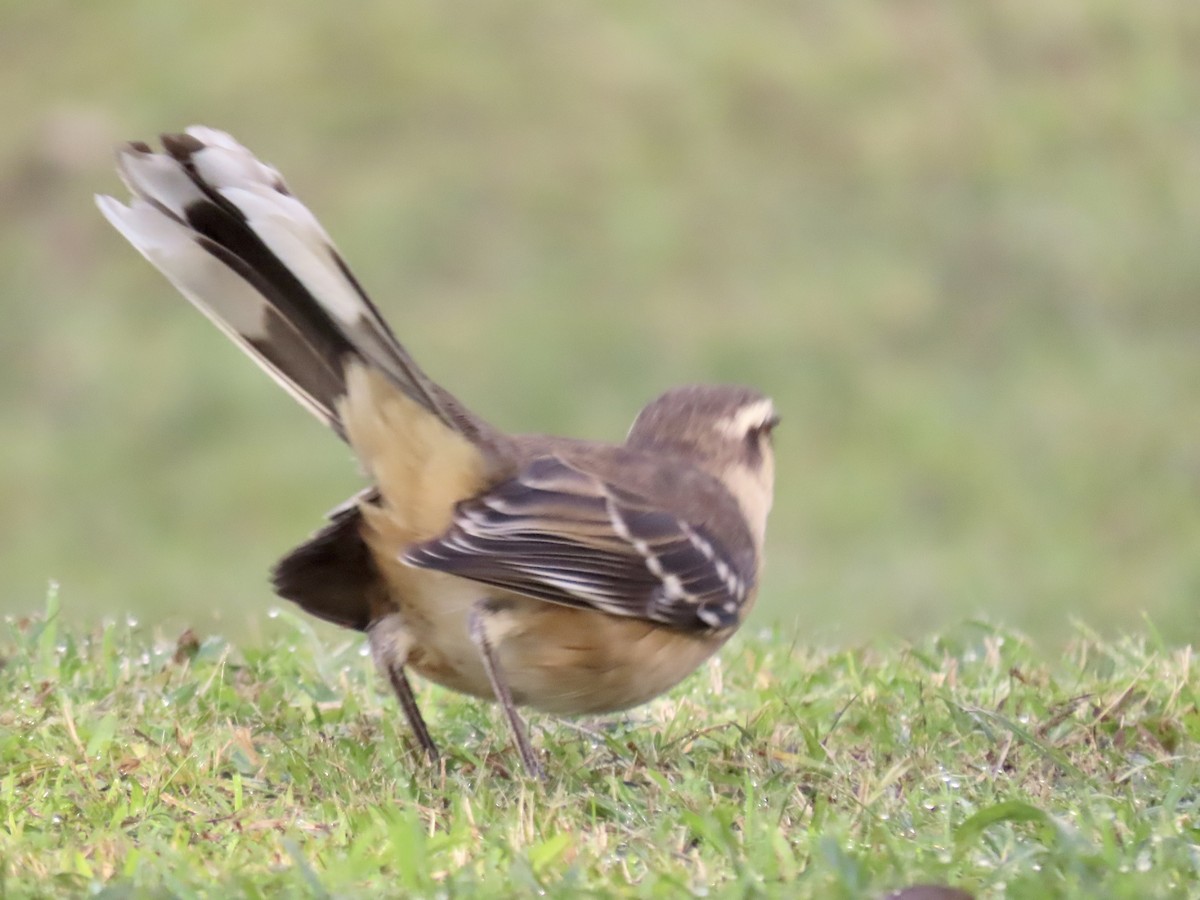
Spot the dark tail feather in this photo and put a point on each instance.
(332, 575)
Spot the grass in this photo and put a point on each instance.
(139, 766)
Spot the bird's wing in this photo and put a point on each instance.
(559, 533)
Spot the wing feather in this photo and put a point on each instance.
(566, 536)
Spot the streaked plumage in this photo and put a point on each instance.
(569, 576)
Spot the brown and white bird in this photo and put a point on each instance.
(569, 576)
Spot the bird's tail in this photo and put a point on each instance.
(225, 230)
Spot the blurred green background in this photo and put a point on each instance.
(956, 242)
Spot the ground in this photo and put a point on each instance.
(138, 766)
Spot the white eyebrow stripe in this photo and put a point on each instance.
(753, 415)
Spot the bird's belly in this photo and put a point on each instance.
(442, 649)
(570, 661)
(558, 659)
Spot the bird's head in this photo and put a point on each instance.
(725, 431)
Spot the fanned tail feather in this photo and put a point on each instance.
(225, 230)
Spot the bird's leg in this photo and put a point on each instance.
(390, 643)
(412, 712)
(477, 626)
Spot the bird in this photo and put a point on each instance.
(569, 576)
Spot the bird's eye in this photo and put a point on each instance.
(762, 430)
(754, 439)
